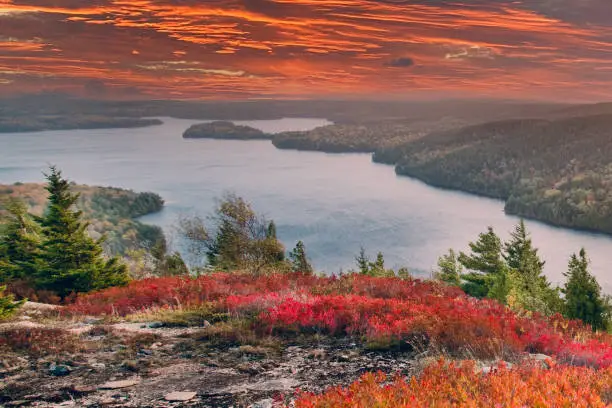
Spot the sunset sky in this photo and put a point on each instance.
(249, 49)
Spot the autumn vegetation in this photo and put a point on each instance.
(490, 304)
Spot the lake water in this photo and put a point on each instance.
(334, 203)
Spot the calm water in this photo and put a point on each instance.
(334, 203)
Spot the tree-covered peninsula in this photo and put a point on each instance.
(557, 171)
(112, 212)
(36, 123)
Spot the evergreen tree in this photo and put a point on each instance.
(530, 289)
(583, 298)
(377, 268)
(299, 260)
(450, 269)
(7, 305)
(271, 233)
(71, 261)
(486, 265)
(19, 244)
(519, 251)
(363, 262)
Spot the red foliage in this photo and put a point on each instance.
(450, 385)
(385, 311)
(39, 341)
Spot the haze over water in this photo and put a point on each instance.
(334, 203)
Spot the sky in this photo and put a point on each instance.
(260, 49)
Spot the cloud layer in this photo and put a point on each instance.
(236, 49)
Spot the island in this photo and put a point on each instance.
(224, 130)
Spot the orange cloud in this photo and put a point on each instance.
(298, 48)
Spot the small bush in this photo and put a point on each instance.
(40, 341)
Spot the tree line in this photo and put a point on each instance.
(512, 273)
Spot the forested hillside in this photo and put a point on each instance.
(111, 211)
(557, 171)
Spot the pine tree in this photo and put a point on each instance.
(583, 298)
(19, 244)
(363, 262)
(450, 269)
(486, 265)
(530, 288)
(71, 261)
(7, 305)
(520, 253)
(271, 233)
(299, 260)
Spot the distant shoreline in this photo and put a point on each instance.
(28, 124)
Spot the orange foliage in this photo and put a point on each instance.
(461, 385)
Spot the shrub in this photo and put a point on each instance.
(461, 385)
(385, 312)
(39, 341)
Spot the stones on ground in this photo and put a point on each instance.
(115, 385)
(180, 396)
(98, 366)
(59, 370)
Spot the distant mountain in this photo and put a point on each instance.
(557, 171)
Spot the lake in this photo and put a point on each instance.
(334, 203)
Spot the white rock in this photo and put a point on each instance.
(180, 396)
(113, 385)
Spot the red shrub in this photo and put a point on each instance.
(385, 311)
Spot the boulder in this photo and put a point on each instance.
(180, 396)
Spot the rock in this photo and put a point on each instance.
(131, 365)
(91, 320)
(18, 403)
(114, 385)
(344, 357)
(98, 366)
(155, 325)
(180, 396)
(541, 359)
(83, 389)
(318, 354)
(267, 403)
(59, 370)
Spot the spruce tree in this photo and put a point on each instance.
(486, 265)
(530, 288)
(19, 243)
(71, 261)
(299, 260)
(450, 269)
(583, 298)
(7, 305)
(363, 262)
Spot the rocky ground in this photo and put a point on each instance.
(123, 364)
